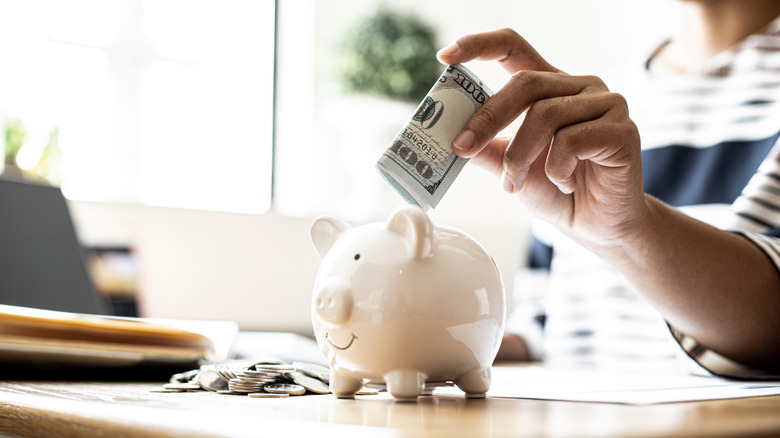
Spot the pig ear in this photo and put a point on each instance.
(325, 231)
(412, 223)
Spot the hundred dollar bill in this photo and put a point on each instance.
(420, 163)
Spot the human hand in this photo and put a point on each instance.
(575, 160)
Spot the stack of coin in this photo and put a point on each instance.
(257, 379)
(252, 381)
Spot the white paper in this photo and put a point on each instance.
(537, 382)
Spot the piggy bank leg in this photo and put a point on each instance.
(344, 386)
(475, 383)
(405, 385)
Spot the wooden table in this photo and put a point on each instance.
(116, 409)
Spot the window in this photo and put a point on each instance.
(164, 102)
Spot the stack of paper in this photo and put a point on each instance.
(49, 338)
(581, 385)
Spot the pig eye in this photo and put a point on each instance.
(357, 256)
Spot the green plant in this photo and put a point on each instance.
(48, 168)
(15, 137)
(390, 54)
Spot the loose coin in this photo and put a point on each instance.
(312, 384)
(282, 367)
(268, 362)
(287, 388)
(244, 377)
(313, 370)
(255, 373)
(184, 377)
(268, 394)
(368, 391)
(182, 386)
(211, 380)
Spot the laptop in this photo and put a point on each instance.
(42, 264)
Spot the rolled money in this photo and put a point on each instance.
(420, 163)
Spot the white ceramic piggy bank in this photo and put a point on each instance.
(405, 302)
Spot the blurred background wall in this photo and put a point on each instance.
(257, 268)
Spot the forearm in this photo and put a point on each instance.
(713, 285)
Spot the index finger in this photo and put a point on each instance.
(505, 46)
(522, 90)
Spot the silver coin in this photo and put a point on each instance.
(265, 376)
(228, 392)
(228, 373)
(246, 389)
(240, 376)
(182, 386)
(286, 388)
(367, 391)
(282, 367)
(235, 383)
(268, 394)
(242, 383)
(258, 373)
(247, 383)
(184, 377)
(258, 382)
(310, 383)
(211, 380)
(242, 387)
(313, 370)
(267, 362)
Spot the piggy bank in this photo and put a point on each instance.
(407, 303)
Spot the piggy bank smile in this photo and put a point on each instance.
(338, 345)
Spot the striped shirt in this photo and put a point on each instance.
(707, 148)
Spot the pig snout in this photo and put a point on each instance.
(333, 302)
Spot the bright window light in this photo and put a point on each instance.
(164, 102)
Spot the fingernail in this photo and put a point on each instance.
(506, 184)
(449, 50)
(465, 140)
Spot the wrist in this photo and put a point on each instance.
(624, 238)
(634, 238)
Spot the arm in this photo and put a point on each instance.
(713, 285)
(576, 163)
